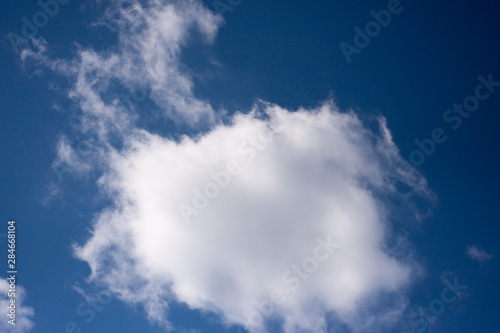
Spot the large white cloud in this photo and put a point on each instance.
(281, 215)
(220, 234)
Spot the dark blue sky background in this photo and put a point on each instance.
(287, 52)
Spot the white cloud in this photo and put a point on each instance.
(24, 313)
(150, 35)
(67, 157)
(322, 174)
(305, 174)
(477, 254)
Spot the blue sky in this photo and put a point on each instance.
(170, 169)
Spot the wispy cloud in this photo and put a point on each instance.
(151, 35)
(477, 254)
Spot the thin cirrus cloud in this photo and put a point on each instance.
(477, 254)
(221, 220)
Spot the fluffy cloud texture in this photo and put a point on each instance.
(220, 234)
(24, 313)
(277, 215)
